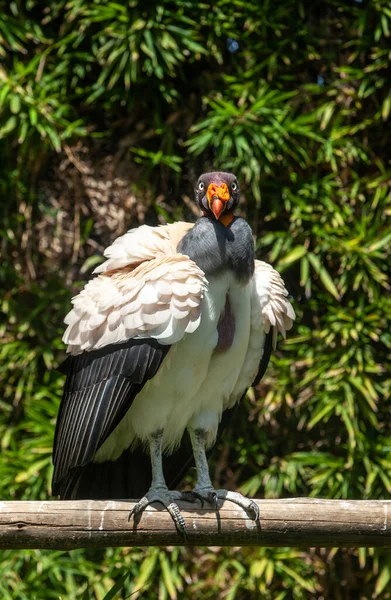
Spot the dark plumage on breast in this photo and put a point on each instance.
(217, 248)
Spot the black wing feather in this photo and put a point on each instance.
(267, 350)
(100, 388)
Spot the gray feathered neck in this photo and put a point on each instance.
(217, 249)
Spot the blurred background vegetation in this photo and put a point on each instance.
(108, 112)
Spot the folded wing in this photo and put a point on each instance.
(159, 299)
(100, 388)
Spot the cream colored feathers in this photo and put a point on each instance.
(270, 304)
(142, 244)
(146, 289)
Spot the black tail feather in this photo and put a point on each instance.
(128, 477)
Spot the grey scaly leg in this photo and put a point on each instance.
(159, 492)
(204, 489)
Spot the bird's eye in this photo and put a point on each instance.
(234, 186)
(201, 186)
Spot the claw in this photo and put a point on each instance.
(247, 504)
(165, 497)
(139, 507)
(213, 499)
(254, 508)
(177, 517)
(213, 496)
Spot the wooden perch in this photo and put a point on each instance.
(96, 524)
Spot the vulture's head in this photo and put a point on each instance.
(218, 195)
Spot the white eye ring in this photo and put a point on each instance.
(201, 186)
(234, 186)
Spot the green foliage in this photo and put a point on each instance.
(254, 132)
(109, 107)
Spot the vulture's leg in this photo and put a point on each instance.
(204, 489)
(159, 492)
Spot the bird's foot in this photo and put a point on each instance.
(166, 497)
(212, 496)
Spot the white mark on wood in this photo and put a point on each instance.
(109, 506)
(194, 525)
(384, 526)
(89, 519)
(4, 507)
(346, 504)
(102, 520)
(41, 506)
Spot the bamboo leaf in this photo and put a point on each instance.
(324, 276)
(293, 256)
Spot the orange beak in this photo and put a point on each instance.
(217, 196)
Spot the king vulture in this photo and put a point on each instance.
(177, 325)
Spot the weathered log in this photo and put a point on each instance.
(302, 522)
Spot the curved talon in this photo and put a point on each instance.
(247, 504)
(254, 508)
(139, 507)
(177, 517)
(166, 498)
(213, 499)
(213, 496)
